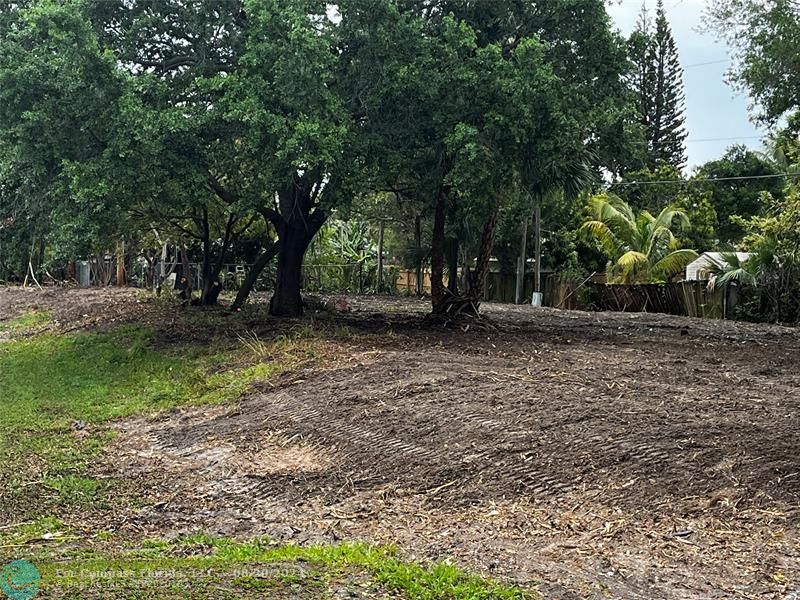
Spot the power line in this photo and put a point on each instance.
(699, 140)
(726, 139)
(710, 62)
(703, 180)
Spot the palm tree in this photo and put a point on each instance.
(640, 248)
(736, 270)
(782, 151)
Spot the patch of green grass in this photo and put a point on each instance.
(86, 377)
(57, 391)
(73, 489)
(230, 385)
(25, 533)
(261, 567)
(25, 322)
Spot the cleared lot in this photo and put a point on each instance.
(603, 455)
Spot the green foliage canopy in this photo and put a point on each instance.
(764, 34)
(743, 198)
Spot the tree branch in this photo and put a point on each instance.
(215, 186)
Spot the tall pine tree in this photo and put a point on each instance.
(659, 86)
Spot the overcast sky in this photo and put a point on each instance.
(713, 108)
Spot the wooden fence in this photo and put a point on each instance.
(687, 298)
(407, 282)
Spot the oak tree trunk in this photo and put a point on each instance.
(252, 276)
(211, 291)
(297, 221)
(287, 301)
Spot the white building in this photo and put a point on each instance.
(703, 267)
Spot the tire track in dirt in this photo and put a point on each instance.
(481, 433)
(348, 432)
(384, 448)
(484, 430)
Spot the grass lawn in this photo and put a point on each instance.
(210, 567)
(58, 391)
(57, 396)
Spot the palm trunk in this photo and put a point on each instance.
(452, 267)
(478, 283)
(438, 291)
(418, 246)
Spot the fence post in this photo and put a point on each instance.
(538, 278)
(380, 256)
(521, 263)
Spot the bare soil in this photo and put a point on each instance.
(599, 455)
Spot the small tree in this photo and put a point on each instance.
(640, 248)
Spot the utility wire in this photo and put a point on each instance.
(710, 62)
(703, 180)
(700, 140)
(726, 139)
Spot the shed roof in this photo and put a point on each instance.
(697, 269)
(717, 258)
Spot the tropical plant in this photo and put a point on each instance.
(774, 241)
(736, 274)
(641, 248)
(343, 258)
(352, 241)
(736, 269)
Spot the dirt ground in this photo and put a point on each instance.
(601, 455)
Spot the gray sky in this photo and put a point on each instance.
(713, 108)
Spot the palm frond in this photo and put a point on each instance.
(673, 217)
(616, 214)
(661, 242)
(673, 263)
(622, 207)
(739, 275)
(736, 269)
(602, 234)
(570, 177)
(632, 265)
